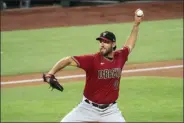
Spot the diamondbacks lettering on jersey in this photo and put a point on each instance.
(109, 73)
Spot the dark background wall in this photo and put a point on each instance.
(10, 4)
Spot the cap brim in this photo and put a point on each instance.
(102, 38)
(98, 38)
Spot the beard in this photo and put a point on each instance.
(106, 52)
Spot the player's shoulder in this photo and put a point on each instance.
(118, 51)
(123, 49)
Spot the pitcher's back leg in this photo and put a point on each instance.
(82, 113)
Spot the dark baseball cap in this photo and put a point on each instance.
(108, 36)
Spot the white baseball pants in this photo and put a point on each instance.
(85, 112)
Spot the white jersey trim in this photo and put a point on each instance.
(78, 64)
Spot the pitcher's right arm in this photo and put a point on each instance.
(130, 43)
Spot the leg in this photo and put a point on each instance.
(113, 114)
(82, 113)
(72, 116)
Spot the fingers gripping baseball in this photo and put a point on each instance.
(139, 13)
(138, 16)
(52, 81)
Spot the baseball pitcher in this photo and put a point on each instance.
(103, 73)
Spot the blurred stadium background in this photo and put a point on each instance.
(32, 40)
(9, 4)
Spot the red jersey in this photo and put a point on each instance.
(102, 75)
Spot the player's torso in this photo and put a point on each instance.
(102, 82)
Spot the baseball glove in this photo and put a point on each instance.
(52, 81)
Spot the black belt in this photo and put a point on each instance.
(97, 105)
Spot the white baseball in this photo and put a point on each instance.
(139, 12)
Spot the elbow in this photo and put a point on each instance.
(68, 59)
(65, 61)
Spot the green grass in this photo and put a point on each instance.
(28, 51)
(141, 99)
